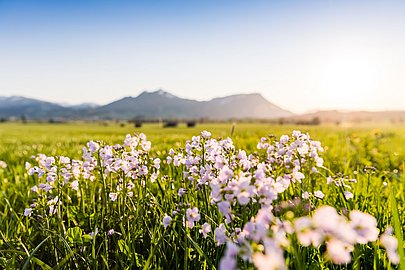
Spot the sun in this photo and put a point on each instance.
(347, 78)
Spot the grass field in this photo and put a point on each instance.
(124, 209)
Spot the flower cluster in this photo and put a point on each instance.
(236, 179)
(129, 163)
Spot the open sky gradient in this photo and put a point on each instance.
(301, 55)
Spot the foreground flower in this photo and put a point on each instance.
(3, 164)
(192, 216)
(206, 228)
(365, 226)
(27, 212)
(166, 221)
(113, 196)
(274, 261)
(319, 194)
(390, 243)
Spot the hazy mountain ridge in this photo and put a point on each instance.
(157, 104)
(164, 105)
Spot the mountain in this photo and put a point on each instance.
(17, 106)
(157, 104)
(165, 105)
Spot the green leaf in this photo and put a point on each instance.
(74, 235)
(122, 245)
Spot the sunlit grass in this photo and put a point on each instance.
(373, 156)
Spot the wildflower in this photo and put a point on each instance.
(307, 234)
(365, 226)
(27, 165)
(306, 195)
(390, 243)
(228, 261)
(319, 194)
(75, 185)
(348, 195)
(113, 196)
(220, 236)
(338, 251)
(110, 232)
(284, 139)
(93, 234)
(181, 192)
(93, 146)
(156, 163)
(27, 212)
(224, 207)
(192, 216)
(3, 164)
(146, 145)
(206, 228)
(206, 134)
(166, 220)
(271, 261)
(329, 180)
(34, 189)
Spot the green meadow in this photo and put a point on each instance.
(79, 235)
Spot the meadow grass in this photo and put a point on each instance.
(78, 234)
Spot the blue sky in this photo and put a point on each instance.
(301, 55)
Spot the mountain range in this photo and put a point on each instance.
(147, 105)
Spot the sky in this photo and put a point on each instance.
(301, 55)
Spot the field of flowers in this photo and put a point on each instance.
(216, 196)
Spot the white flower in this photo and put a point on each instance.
(146, 145)
(365, 226)
(390, 243)
(220, 236)
(206, 228)
(27, 165)
(181, 192)
(307, 234)
(306, 195)
(110, 232)
(319, 194)
(75, 185)
(338, 251)
(224, 207)
(156, 163)
(284, 139)
(228, 261)
(3, 164)
(271, 261)
(27, 212)
(205, 134)
(93, 234)
(327, 219)
(348, 195)
(192, 216)
(34, 189)
(166, 220)
(113, 196)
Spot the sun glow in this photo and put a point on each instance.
(348, 78)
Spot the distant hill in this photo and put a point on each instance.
(161, 104)
(158, 104)
(16, 106)
(338, 117)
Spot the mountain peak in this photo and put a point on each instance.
(159, 92)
